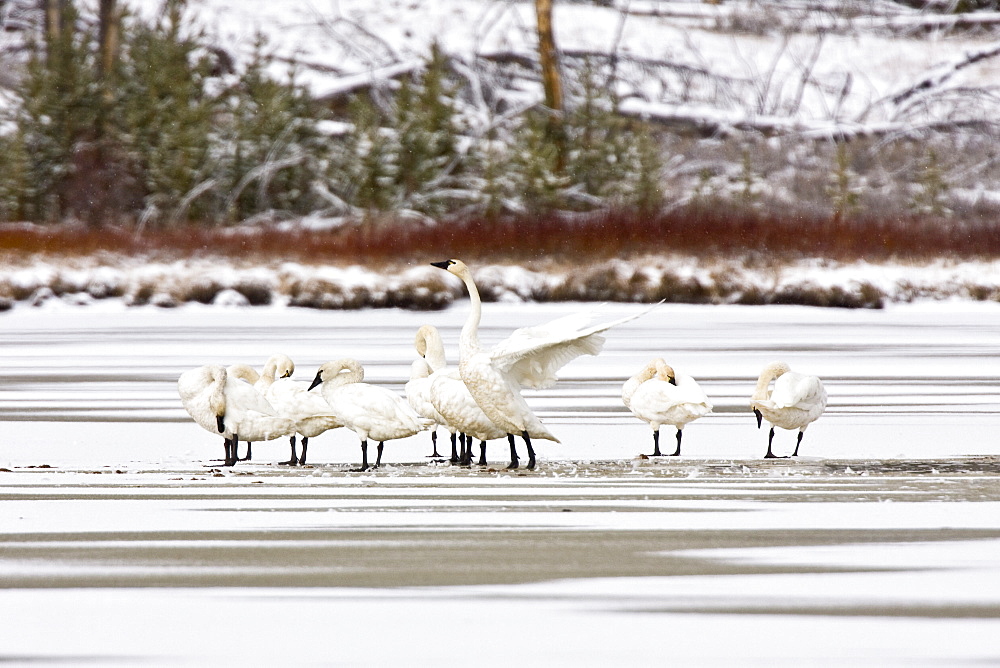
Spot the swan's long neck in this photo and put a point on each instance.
(762, 391)
(469, 339)
(435, 351)
(217, 399)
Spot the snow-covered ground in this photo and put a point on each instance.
(59, 282)
(122, 540)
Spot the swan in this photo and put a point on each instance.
(529, 357)
(796, 401)
(223, 403)
(292, 399)
(430, 348)
(454, 402)
(367, 410)
(659, 395)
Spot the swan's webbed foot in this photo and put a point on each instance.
(770, 454)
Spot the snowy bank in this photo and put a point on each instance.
(679, 279)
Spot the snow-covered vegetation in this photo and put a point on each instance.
(366, 120)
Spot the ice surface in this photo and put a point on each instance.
(878, 547)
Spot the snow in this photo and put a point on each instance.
(54, 283)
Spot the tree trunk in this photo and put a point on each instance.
(107, 37)
(53, 21)
(549, 61)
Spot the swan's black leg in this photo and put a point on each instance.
(454, 449)
(798, 442)
(677, 452)
(249, 452)
(231, 447)
(656, 443)
(771, 455)
(513, 452)
(378, 459)
(364, 456)
(482, 453)
(466, 458)
(531, 450)
(434, 442)
(295, 458)
(305, 447)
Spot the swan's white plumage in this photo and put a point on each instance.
(250, 416)
(418, 392)
(659, 395)
(292, 399)
(370, 411)
(788, 399)
(454, 402)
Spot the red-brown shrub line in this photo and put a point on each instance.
(561, 237)
(583, 258)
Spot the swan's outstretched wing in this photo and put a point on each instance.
(531, 356)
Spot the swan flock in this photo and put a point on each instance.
(479, 399)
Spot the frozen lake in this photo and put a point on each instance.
(122, 541)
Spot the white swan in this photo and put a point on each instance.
(367, 410)
(418, 389)
(292, 399)
(795, 402)
(529, 357)
(453, 401)
(223, 403)
(659, 395)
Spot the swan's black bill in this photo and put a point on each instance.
(760, 418)
(317, 380)
(444, 264)
(220, 423)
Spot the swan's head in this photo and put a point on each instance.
(456, 267)
(339, 371)
(285, 367)
(278, 366)
(664, 371)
